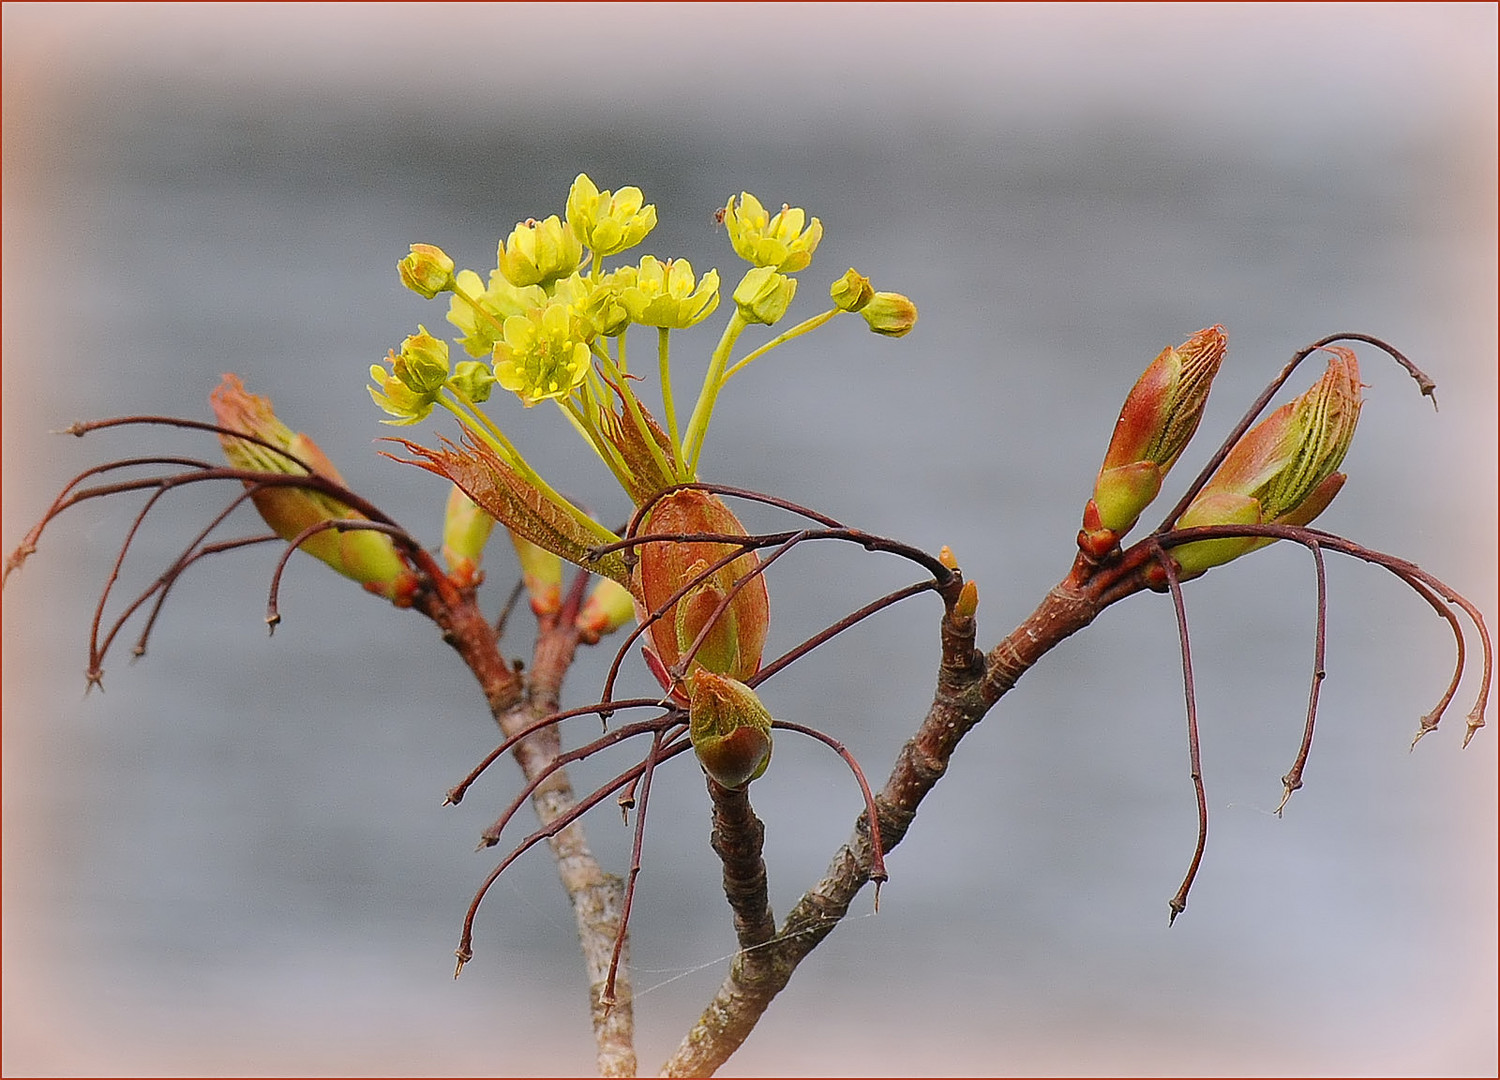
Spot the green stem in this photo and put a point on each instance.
(579, 416)
(498, 323)
(796, 331)
(692, 443)
(669, 407)
(633, 410)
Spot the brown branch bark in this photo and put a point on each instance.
(969, 683)
(516, 703)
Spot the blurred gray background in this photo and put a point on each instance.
(234, 861)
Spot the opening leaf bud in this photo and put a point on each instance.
(1283, 471)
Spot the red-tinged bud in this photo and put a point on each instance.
(1282, 472)
(466, 529)
(608, 607)
(736, 637)
(541, 572)
(730, 729)
(361, 554)
(1159, 416)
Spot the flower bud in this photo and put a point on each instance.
(735, 639)
(422, 365)
(1159, 416)
(851, 292)
(364, 555)
(730, 729)
(427, 271)
(609, 606)
(608, 223)
(466, 529)
(763, 295)
(1281, 472)
(539, 253)
(473, 380)
(780, 242)
(541, 572)
(890, 314)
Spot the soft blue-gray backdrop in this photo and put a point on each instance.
(234, 861)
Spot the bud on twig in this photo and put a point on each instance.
(730, 729)
(1282, 472)
(1159, 416)
(365, 556)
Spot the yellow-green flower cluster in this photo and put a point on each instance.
(550, 323)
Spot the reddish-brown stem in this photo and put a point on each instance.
(738, 839)
(1178, 903)
(1293, 778)
(616, 955)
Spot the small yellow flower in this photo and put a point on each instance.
(483, 328)
(539, 253)
(544, 354)
(608, 223)
(667, 294)
(780, 242)
(597, 300)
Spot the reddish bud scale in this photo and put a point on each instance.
(734, 642)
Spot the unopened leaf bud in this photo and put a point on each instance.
(968, 601)
(541, 571)
(890, 314)
(363, 555)
(1159, 416)
(466, 529)
(947, 558)
(665, 567)
(609, 606)
(730, 729)
(427, 271)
